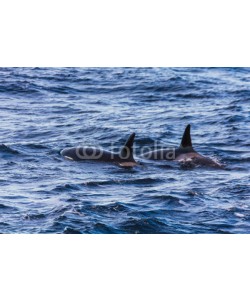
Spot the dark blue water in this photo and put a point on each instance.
(45, 110)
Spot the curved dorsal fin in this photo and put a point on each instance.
(186, 138)
(127, 149)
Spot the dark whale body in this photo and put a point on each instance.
(185, 153)
(124, 158)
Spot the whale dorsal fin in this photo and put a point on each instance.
(186, 138)
(127, 149)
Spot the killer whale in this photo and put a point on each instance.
(185, 153)
(124, 158)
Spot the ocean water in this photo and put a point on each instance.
(44, 110)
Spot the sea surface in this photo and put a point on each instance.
(44, 110)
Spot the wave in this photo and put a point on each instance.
(7, 149)
(21, 87)
(138, 181)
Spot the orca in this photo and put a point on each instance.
(184, 154)
(124, 158)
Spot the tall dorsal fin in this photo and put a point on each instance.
(186, 138)
(127, 149)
